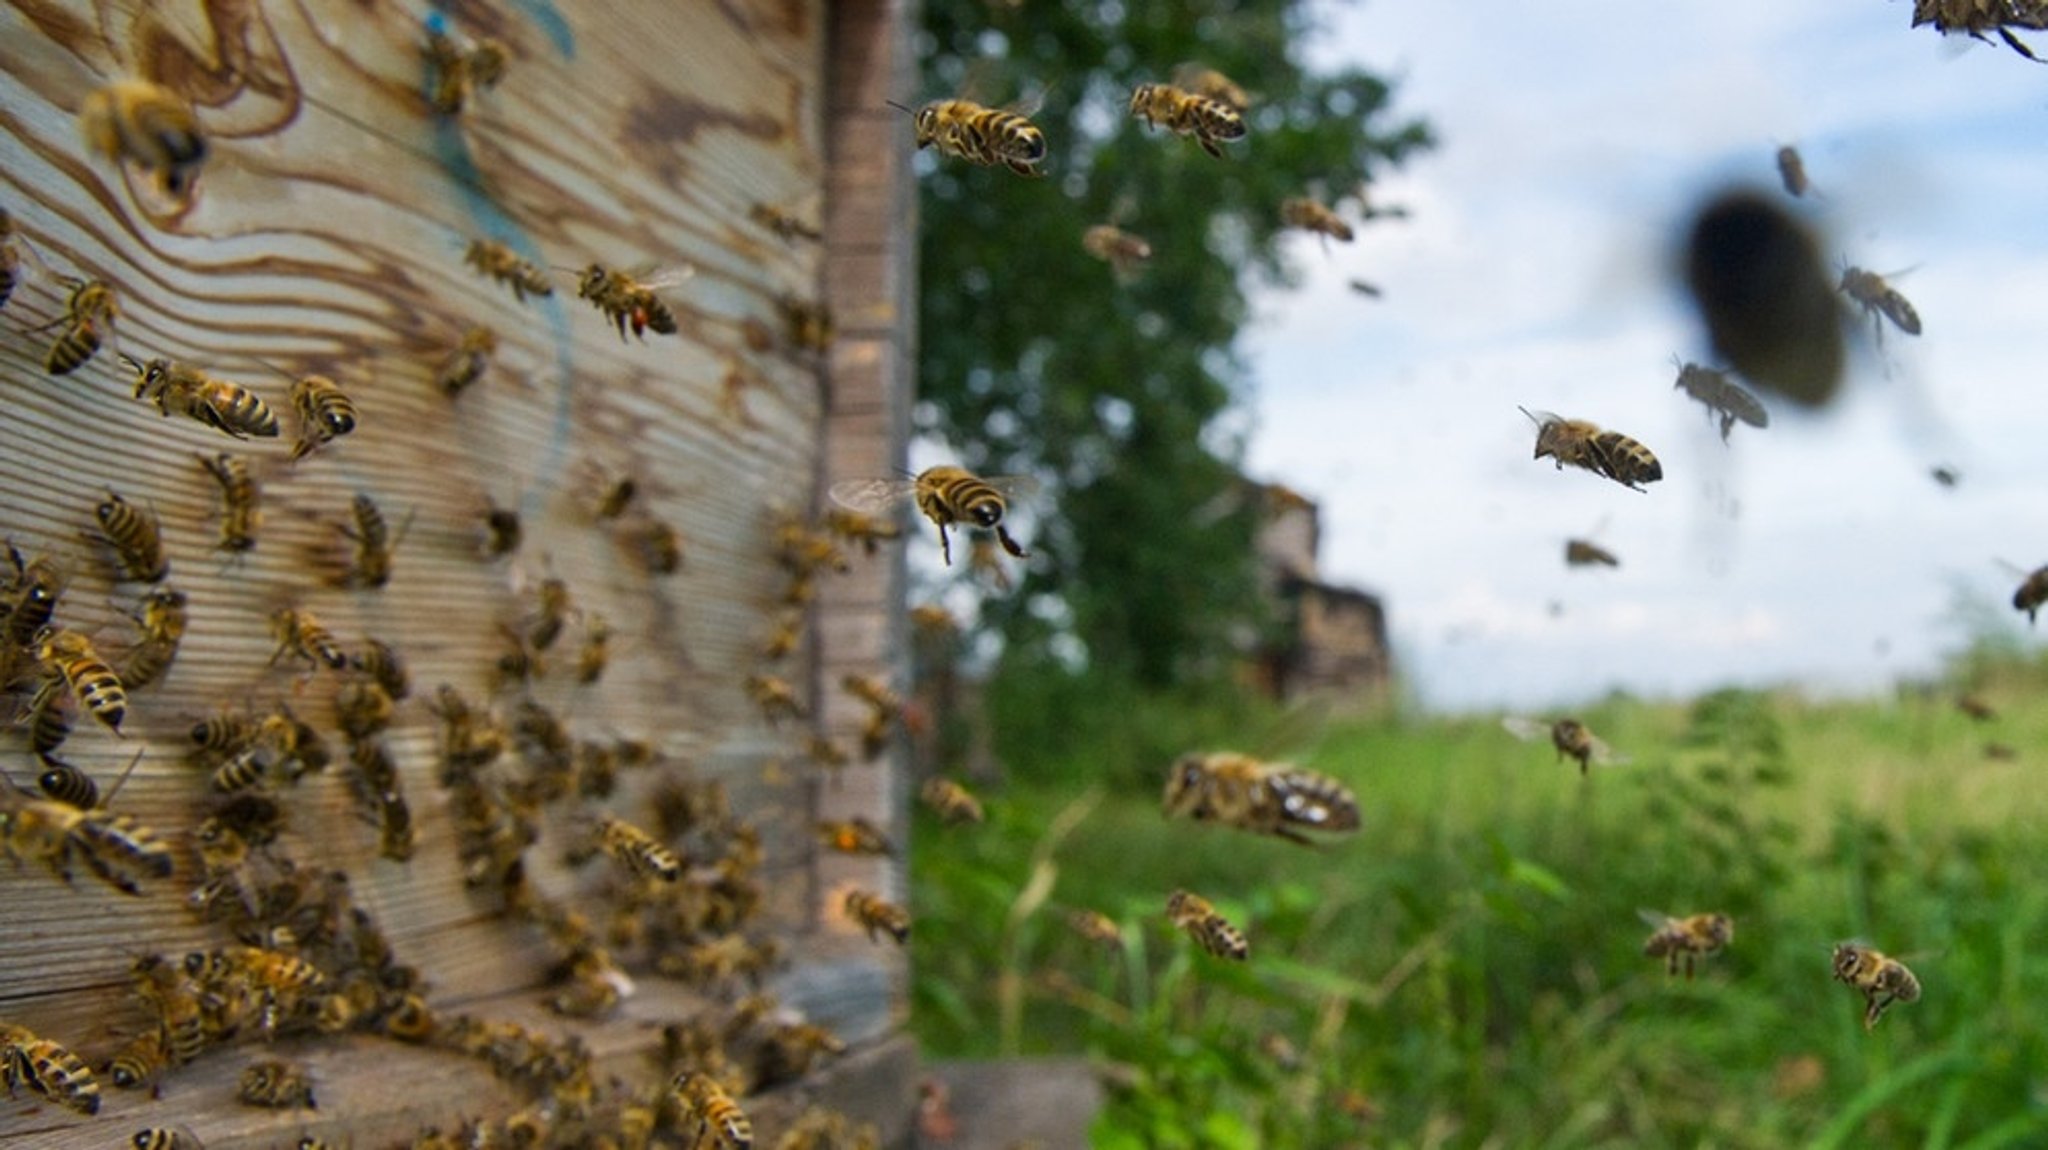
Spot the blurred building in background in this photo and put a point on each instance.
(1328, 642)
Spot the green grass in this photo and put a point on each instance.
(1471, 962)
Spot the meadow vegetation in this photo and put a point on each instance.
(1467, 971)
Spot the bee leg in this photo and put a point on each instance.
(1209, 146)
(1671, 965)
(1009, 544)
(945, 546)
(2017, 46)
(1688, 966)
(1023, 169)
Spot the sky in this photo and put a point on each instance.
(1577, 137)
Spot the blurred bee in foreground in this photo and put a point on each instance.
(1978, 17)
(625, 300)
(1208, 121)
(114, 847)
(1121, 250)
(1278, 799)
(89, 314)
(714, 1119)
(136, 537)
(325, 414)
(1758, 281)
(48, 1069)
(459, 370)
(1976, 708)
(980, 134)
(854, 836)
(2032, 593)
(1314, 216)
(1722, 396)
(147, 127)
(1693, 937)
(1582, 443)
(874, 913)
(1870, 291)
(1193, 914)
(1586, 553)
(238, 500)
(1571, 738)
(1096, 927)
(457, 70)
(496, 261)
(1207, 82)
(638, 851)
(947, 496)
(949, 800)
(1792, 170)
(784, 223)
(1882, 979)
(178, 389)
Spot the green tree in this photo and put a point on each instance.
(1035, 359)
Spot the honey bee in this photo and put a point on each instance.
(1722, 397)
(1976, 708)
(1792, 170)
(947, 496)
(48, 724)
(1208, 121)
(301, 636)
(145, 126)
(1582, 443)
(363, 708)
(1945, 475)
(1313, 216)
(470, 738)
(1571, 737)
(934, 620)
(174, 999)
(1277, 799)
(139, 1061)
(136, 537)
(874, 913)
(808, 324)
(325, 414)
(1121, 250)
(374, 543)
(791, 1049)
(46, 1068)
(638, 851)
(715, 1119)
(1366, 288)
(595, 656)
(787, 636)
(1586, 553)
(551, 613)
(1882, 979)
(952, 802)
(825, 753)
(855, 836)
(1193, 914)
(164, 1138)
(782, 222)
(496, 261)
(778, 700)
(239, 493)
(114, 847)
(2032, 593)
(1208, 82)
(867, 530)
(385, 666)
(1876, 297)
(502, 531)
(980, 134)
(177, 389)
(459, 370)
(10, 257)
(89, 315)
(66, 784)
(656, 544)
(873, 691)
(456, 70)
(93, 683)
(625, 300)
(278, 1085)
(1978, 17)
(1693, 937)
(1096, 927)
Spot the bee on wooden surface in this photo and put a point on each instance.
(875, 734)
(114, 847)
(854, 836)
(66, 784)
(980, 134)
(1278, 799)
(1792, 170)
(625, 300)
(1209, 83)
(776, 697)
(29, 602)
(470, 738)
(1312, 215)
(596, 653)
(1586, 553)
(783, 222)
(1121, 250)
(656, 544)
(1722, 397)
(952, 802)
(786, 637)
(370, 566)
(496, 261)
(869, 531)
(48, 722)
(383, 664)
(2032, 593)
(1582, 443)
(136, 537)
(614, 496)
(1096, 927)
(178, 389)
(808, 324)
(552, 608)
(89, 315)
(239, 496)
(873, 691)
(93, 683)
(1693, 937)
(140, 1061)
(267, 969)
(278, 1085)
(457, 68)
(147, 127)
(817, 1129)
(1878, 298)
(172, 998)
(46, 1068)
(1208, 121)
(1979, 17)
(503, 531)
(459, 370)
(1882, 979)
(1214, 933)
(1572, 738)
(638, 851)
(874, 913)
(325, 414)
(825, 753)
(302, 636)
(791, 1050)
(518, 663)
(714, 1119)
(10, 256)
(363, 708)
(947, 496)
(165, 1138)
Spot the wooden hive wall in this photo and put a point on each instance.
(327, 234)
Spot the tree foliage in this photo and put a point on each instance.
(1035, 359)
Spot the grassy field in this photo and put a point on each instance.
(1467, 971)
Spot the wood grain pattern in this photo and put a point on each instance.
(327, 235)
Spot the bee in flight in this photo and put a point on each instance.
(855, 836)
(638, 851)
(2032, 593)
(1278, 799)
(466, 363)
(1121, 250)
(148, 127)
(496, 261)
(1693, 937)
(1586, 553)
(947, 496)
(226, 407)
(325, 414)
(1722, 396)
(1209, 83)
(1572, 738)
(1312, 215)
(952, 802)
(1792, 170)
(875, 913)
(626, 300)
(715, 1119)
(89, 314)
(1882, 979)
(458, 69)
(980, 134)
(1876, 297)
(1096, 927)
(1582, 443)
(1978, 17)
(784, 222)
(1208, 121)
(1192, 913)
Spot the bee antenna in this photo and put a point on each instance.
(118, 783)
(899, 107)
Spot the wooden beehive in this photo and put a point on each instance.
(327, 234)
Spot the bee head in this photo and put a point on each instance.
(1141, 96)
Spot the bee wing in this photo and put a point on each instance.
(1602, 753)
(1656, 918)
(1014, 486)
(1539, 417)
(870, 496)
(1524, 728)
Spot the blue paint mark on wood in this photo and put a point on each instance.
(543, 13)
